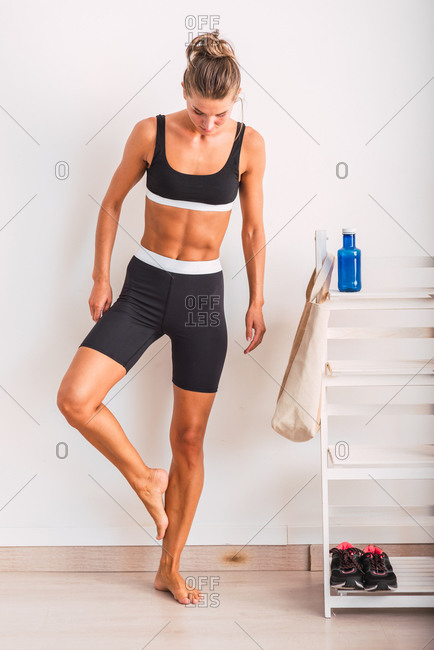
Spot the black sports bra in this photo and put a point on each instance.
(216, 191)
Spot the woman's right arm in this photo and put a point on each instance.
(130, 170)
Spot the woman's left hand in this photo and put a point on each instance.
(254, 321)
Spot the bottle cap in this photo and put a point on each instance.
(348, 231)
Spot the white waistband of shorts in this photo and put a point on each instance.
(177, 266)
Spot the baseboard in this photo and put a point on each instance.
(291, 557)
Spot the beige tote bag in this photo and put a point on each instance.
(297, 413)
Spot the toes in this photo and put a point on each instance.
(184, 600)
(196, 595)
(192, 597)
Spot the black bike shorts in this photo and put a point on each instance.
(162, 295)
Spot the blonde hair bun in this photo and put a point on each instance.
(212, 69)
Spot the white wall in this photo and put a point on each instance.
(320, 80)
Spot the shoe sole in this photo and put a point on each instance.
(348, 584)
(382, 586)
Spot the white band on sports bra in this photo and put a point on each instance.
(189, 205)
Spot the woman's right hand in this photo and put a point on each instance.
(100, 298)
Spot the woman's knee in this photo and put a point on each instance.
(75, 404)
(85, 384)
(187, 444)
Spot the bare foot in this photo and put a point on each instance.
(151, 491)
(171, 580)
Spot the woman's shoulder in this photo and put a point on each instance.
(253, 144)
(144, 135)
(147, 124)
(252, 152)
(253, 137)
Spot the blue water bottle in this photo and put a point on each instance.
(349, 258)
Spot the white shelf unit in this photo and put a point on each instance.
(415, 575)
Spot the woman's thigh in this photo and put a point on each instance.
(118, 339)
(134, 321)
(195, 321)
(88, 379)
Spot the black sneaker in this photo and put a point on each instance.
(378, 572)
(346, 570)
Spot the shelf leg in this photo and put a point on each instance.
(325, 503)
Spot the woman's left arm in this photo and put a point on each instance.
(252, 233)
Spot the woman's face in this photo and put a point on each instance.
(208, 115)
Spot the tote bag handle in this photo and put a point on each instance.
(316, 285)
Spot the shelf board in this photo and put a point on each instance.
(376, 600)
(391, 294)
(365, 516)
(363, 473)
(369, 409)
(353, 332)
(368, 456)
(364, 461)
(416, 299)
(380, 371)
(370, 367)
(367, 379)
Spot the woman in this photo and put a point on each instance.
(196, 161)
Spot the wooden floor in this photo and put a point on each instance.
(273, 610)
